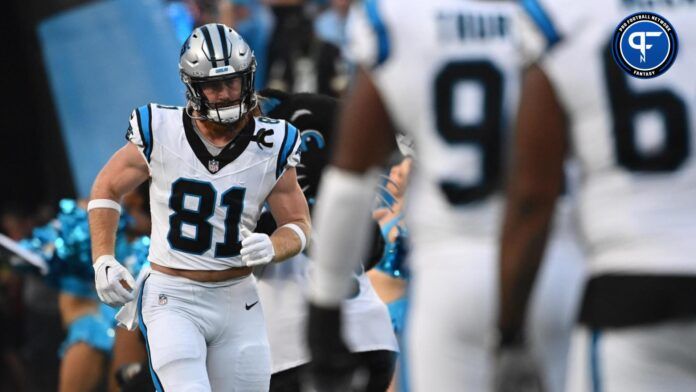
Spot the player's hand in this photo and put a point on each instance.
(333, 368)
(113, 281)
(516, 370)
(257, 248)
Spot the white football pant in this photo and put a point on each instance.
(659, 357)
(205, 336)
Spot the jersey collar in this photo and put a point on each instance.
(229, 153)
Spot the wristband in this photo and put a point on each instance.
(299, 232)
(103, 203)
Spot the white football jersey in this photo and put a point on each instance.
(448, 72)
(283, 291)
(632, 137)
(198, 202)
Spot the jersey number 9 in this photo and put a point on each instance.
(484, 133)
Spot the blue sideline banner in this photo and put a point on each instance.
(103, 60)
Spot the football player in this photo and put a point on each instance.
(212, 166)
(282, 287)
(632, 138)
(455, 101)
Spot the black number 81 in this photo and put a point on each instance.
(233, 199)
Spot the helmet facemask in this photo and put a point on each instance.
(229, 112)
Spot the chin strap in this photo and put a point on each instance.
(220, 119)
(189, 112)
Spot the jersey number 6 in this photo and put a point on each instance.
(628, 105)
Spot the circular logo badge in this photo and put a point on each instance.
(644, 45)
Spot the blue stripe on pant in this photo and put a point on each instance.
(143, 329)
(594, 360)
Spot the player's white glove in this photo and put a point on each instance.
(113, 281)
(257, 248)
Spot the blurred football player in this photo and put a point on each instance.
(212, 165)
(637, 201)
(283, 287)
(456, 103)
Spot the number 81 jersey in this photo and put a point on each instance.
(200, 202)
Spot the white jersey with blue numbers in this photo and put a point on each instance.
(448, 72)
(199, 202)
(633, 137)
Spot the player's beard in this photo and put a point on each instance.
(234, 127)
(212, 107)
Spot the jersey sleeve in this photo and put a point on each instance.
(289, 153)
(139, 130)
(546, 24)
(368, 37)
(531, 40)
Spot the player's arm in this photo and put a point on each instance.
(290, 211)
(124, 172)
(364, 140)
(535, 181)
(342, 218)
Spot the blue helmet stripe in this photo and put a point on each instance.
(380, 30)
(145, 122)
(542, 20)
(289, 141)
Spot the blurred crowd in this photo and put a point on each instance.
(297, 43)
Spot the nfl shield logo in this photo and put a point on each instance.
(162, 299)
(213, 165)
